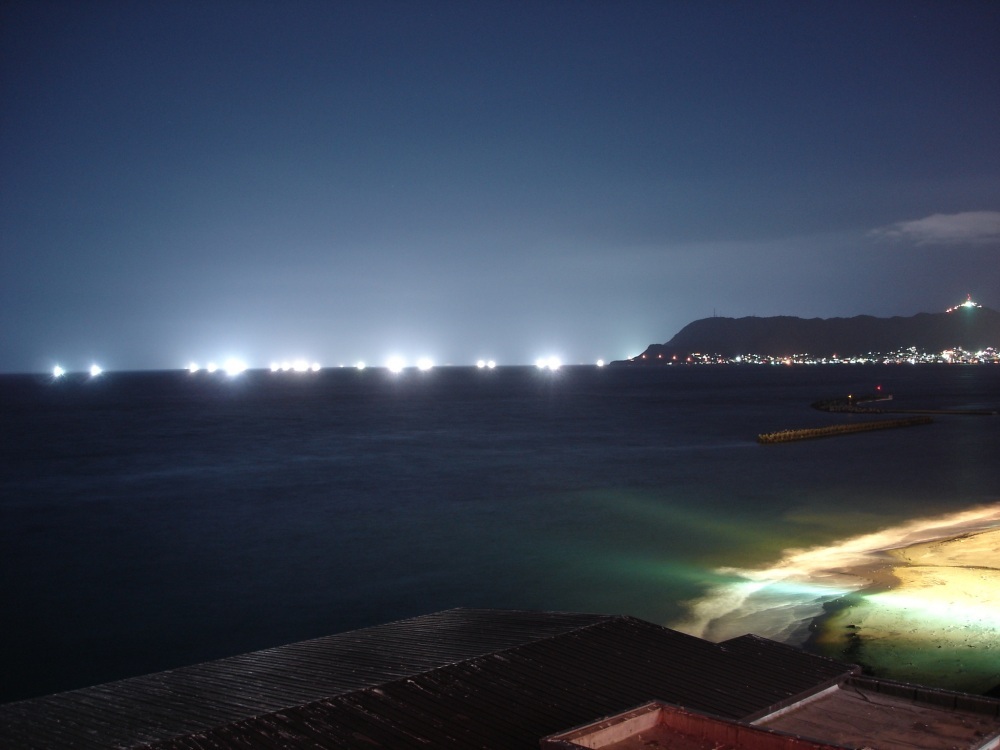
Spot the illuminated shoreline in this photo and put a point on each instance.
(917, 602)
(930, 615)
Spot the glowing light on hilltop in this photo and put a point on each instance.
(95, 370)
(58, 372)
(234, 367)
(396, 364)
(968, 303)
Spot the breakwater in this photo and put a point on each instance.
(787, 436)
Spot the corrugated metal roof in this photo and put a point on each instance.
(215, 693)
(512, 698)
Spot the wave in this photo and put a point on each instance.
(781, 601)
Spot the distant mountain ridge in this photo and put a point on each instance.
(970, 328)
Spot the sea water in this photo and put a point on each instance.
(152, 520)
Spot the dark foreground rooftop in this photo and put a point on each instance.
(454, 679)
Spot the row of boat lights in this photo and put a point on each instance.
(233, 367)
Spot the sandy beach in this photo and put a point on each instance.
(930, 614)
(917, 601)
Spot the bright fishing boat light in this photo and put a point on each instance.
(58, 372)
(314, 367)
(234, 367)
(396, 364)
(275, 367)
(360, 365)
(211, 367)
(600, 363)
(424, 364)
(193, 367)
(300, 365)
(551, 363)
(95, 370)
(481, 363)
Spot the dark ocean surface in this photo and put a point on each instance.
(153, 520)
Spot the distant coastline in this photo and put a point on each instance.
(965, 334)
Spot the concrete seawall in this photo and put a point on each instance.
(787, 436)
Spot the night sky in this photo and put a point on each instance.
(347, 181)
